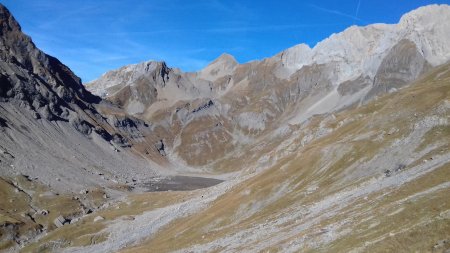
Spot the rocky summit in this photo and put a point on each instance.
(344, 147)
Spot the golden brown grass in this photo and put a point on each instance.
(86, 231)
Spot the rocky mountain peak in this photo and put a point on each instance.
(14, 44)
(144, 67)
(225, 58)
(426, 14)
(8, 23)
(33, 77)
(220, 67)
(296, 56)
(128, 75)
(428, 28)
(359, 50)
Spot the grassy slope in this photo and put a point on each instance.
(87, 232)
(24, 200)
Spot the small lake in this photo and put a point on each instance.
(180, 183)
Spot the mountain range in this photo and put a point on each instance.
(343, 147)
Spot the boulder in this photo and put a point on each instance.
(98, 218)
(60, 221)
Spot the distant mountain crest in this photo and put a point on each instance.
(222, 66)
(354, 53)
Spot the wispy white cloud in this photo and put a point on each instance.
(230, 29)
(357, 8)
(235, 9)
(335, 12)
(264, 28)
(61, 13)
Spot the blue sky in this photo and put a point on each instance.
(92, 37)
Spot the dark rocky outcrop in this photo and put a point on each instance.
(204, 106)
(22, 61)
(403, 64)
(35, 80)
(161, 147)
(47, 88)
(3, 122)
